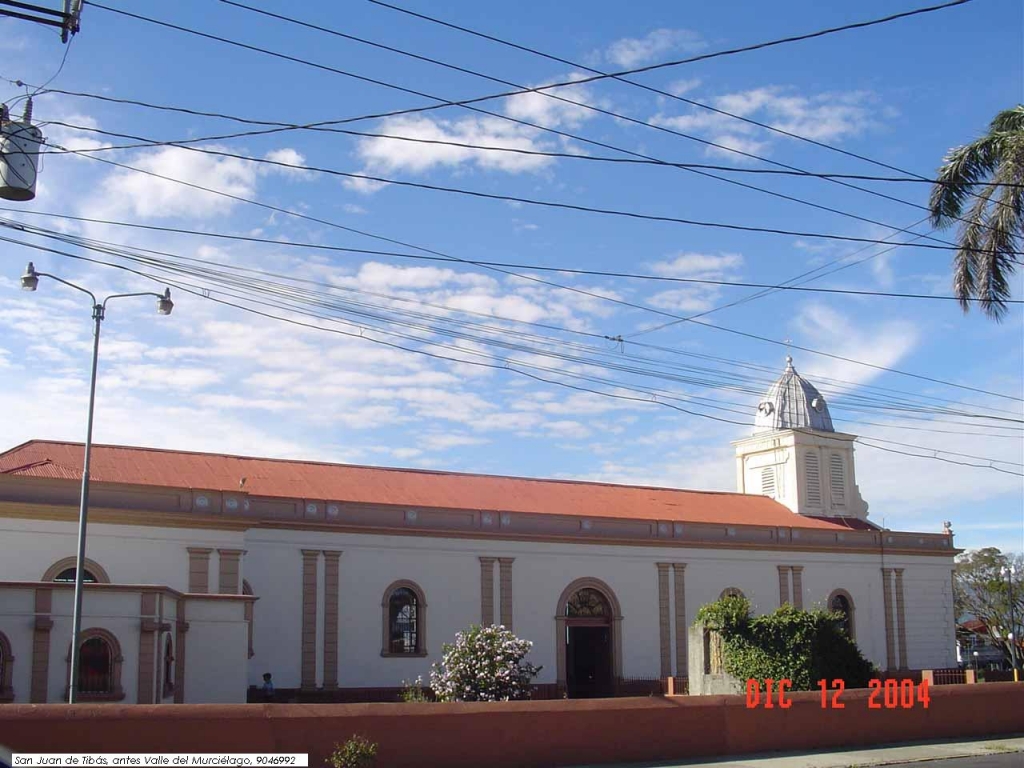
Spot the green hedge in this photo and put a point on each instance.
(801, 646)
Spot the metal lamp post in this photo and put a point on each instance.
(29, 282)
(1009, 572)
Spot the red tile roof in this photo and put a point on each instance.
(404, 487)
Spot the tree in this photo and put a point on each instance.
(483, 664)
(981, 185)
(981, 591)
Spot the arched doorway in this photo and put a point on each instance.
(588, 640)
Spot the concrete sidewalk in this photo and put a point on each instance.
(883, 755)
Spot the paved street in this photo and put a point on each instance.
(987, 753)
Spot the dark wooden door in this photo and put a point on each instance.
(589, 662)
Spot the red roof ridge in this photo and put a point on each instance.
(387, 469)
(30, 465)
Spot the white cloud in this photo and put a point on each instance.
(355, 210)
(567, 429)
(907, 490)
(828, 117)
(129, 194)
(700, 266)
(73, 138)
(682, 87)
(445, 441)
(881, 344)
(695, 266)
(689, 299)
(536, 107)
(406, 453)
(288, 157)
(631, 52)
(384, 277)
(383, 156)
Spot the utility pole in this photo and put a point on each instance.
(67, 20)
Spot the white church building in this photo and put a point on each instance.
(206, 571)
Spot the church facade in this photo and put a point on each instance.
(207, 571)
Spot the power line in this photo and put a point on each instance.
(701, 57)
(637, 215)
(939, 458)
(206, 270)
(532, 278)
(540, 267)
(668, 94)
(507, 364)
(329, 248)
(521, 89)
(323, 127)
(809, 275)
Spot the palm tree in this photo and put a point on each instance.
(981, 184)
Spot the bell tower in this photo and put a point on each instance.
(796, 456)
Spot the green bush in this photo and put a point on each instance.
(357, 752)
(801, 646)
(413, 691)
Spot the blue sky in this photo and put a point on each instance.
(214, 378)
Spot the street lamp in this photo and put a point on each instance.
(1009, 572)
(164, 305)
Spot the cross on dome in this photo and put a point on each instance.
(792, 402)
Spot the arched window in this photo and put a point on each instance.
(64, 571)
(6, 669)
(69, 574)
(168, 666)
(99, 666)
(731, 592)
(588, 603)
(404, 620)
(840, 602)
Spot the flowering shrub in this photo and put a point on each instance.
(483, 664)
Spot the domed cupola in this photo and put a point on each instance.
(795, 455)
(792, 402)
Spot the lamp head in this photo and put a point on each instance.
(30, 279)
(164, 305)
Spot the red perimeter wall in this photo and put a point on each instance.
(532, 734)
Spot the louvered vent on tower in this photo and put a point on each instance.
(838, 478)
(768, 481)
(812, 475)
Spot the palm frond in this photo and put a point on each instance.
(993, 226)
(1008, 121)
(1005, 224)
(966, 260)
(955, 180)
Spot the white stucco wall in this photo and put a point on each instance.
(448, 572)
(930, 617)
(17, 619)
(116, 612)
(215, 656)
(130, 554)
